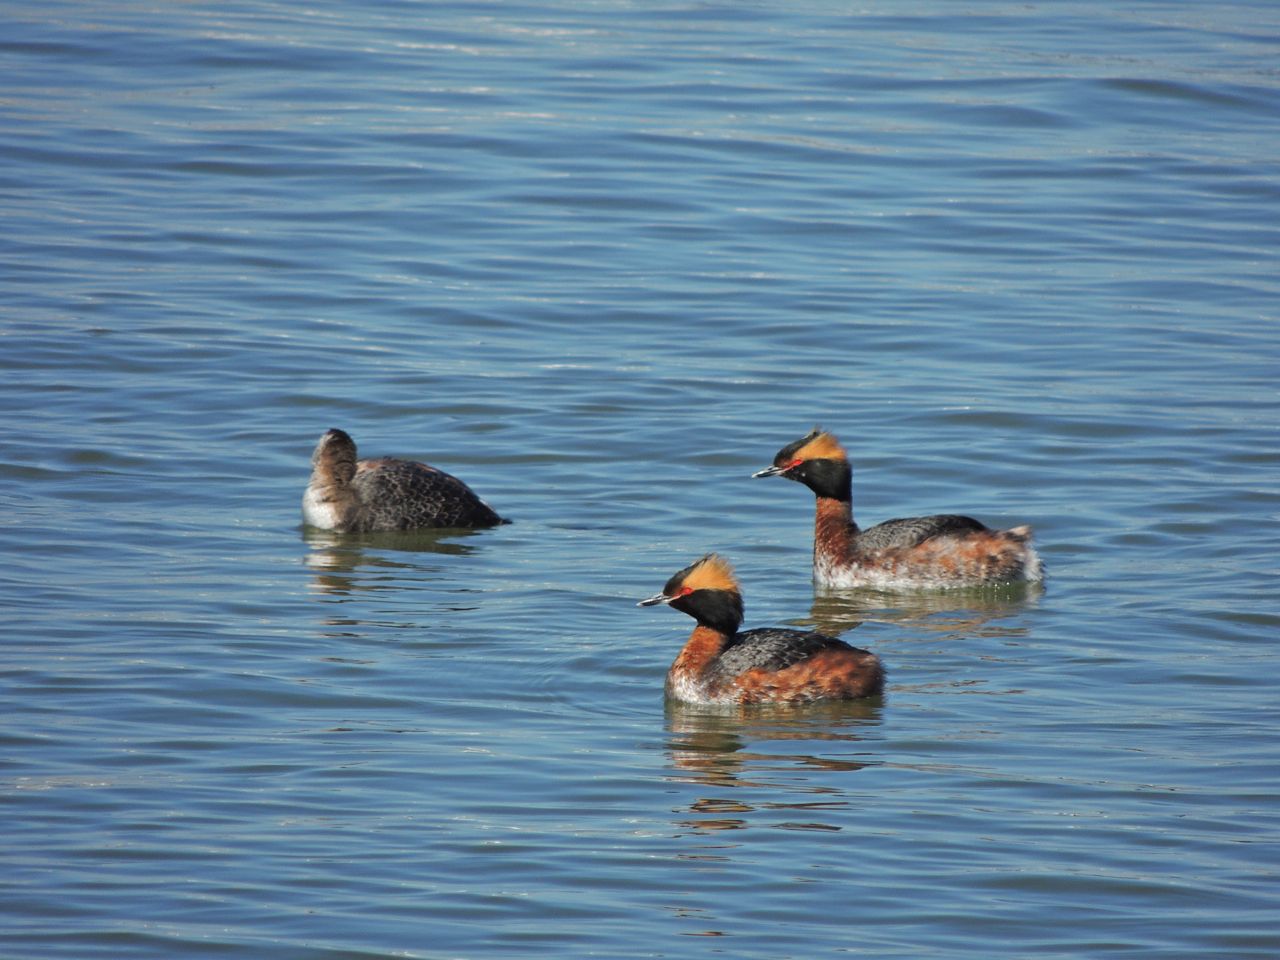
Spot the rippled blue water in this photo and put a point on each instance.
(602, 260)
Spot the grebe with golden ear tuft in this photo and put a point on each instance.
(944, 550)
(719, 664)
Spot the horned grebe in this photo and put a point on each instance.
(720, 665)
(944, 550)
(358, 496)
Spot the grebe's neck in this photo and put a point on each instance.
(703, 646)
(691, 674)
(330, 502)
(833, 532)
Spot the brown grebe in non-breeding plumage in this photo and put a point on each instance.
(359, 496)
(719, 664)
(944, 550)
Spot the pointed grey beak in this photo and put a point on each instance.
(770, 472)
(656, 599)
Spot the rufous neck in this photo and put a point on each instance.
(703, 646)
(833, 529)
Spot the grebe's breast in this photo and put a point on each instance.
(404, 495)
(321, 511)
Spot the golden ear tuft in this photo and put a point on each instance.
(821, 446)
(712, 572)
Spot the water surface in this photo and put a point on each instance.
(602, 261)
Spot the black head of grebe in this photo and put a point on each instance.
(706, 590)
(818, 461)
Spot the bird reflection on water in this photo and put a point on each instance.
(838, 610)
(341, 561)
(720, 748)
